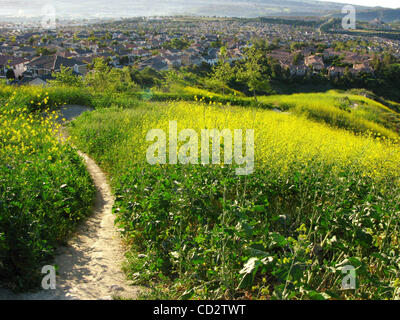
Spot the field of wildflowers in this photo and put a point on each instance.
(45, 189)
(335, 108)
(321, 198)
(324, 193)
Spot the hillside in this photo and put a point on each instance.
(231, 236)
(322, 190)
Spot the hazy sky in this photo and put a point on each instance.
(372, 3)
(118, 8)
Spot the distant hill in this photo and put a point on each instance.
(221, 8)
(257, 8)
(385, 15)
(382, 14)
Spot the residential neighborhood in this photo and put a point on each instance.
(32, 56)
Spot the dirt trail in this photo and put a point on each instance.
(90, 265)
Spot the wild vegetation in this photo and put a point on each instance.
(320, 198)
(324, 193)
(45, 189)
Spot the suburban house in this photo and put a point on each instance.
(26, 51)
(363, 67)
(335, 71)
(329, 53)
(285, 58)
(18, 65)
(141, 53)
(298, 70)
(316, 63)
(34, 81)
(191, 59)
(173, 60)
(156, 63)
(351, 57)
(45, 65)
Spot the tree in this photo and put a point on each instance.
(66, 77)
(260, 43)
(223, 71)
(294, 46)
(10, 74)
(171, 78)
(177, 43)
(216, 44)
(321, 47)
(102, 78)
(146, 78)
(297, 58)
(387, 60)
(75, 38)
(276, 42)
(271, 68)
(123, 60)
(251, 70)
(45, 51)
(97, 77)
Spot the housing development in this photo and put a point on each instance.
(300, 47)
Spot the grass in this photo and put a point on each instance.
(320, 197)
(44, 187)
(341, 109)
(32, 96)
